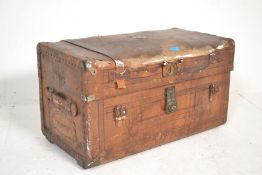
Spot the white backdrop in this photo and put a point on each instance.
(24, 23)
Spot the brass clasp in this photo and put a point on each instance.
(213, 89)
(170, 95)
(171, 68)
(120, 114)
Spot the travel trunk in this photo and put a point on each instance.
(106, 97)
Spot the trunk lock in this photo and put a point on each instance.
(120, 114)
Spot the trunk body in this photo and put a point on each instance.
(104, 98)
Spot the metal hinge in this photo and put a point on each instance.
(88, 98)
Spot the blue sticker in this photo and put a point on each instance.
(174, 48)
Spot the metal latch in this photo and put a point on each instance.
(213, 89)
(120, 114)
(171, 68)
(170, 95)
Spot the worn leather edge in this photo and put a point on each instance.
(43, 129)
(208, 125)
(83, 160)
(218, 123)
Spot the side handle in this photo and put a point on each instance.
(61, 102)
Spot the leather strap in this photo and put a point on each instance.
(119, 64)
(117, 61)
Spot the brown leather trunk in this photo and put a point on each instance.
(107, 97)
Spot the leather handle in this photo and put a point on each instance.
(61, 102)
